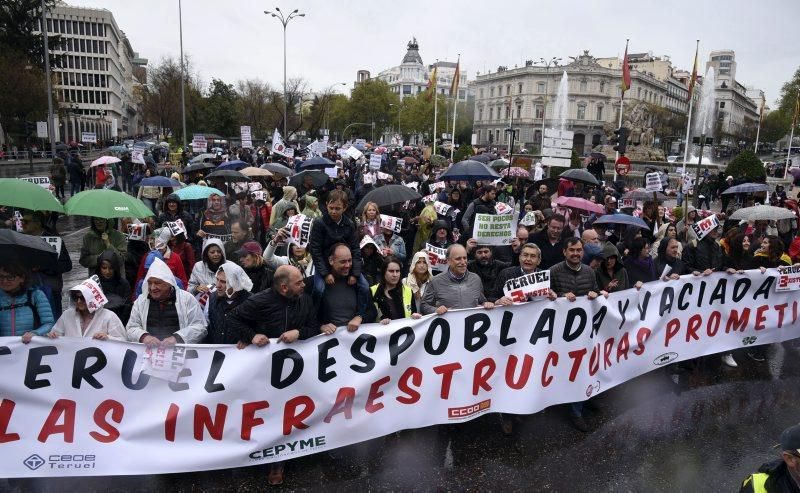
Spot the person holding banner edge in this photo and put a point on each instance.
(454, 288)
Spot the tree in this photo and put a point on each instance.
(256, 108)
(370, 103)
(746, 164)
(23, 94)
(18, 21)
(161, 99)
(220, 114)
(775, 126)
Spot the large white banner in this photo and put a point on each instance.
(75, 407)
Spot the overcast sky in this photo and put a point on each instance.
(233, 39)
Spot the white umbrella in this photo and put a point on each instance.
(105, 160)
(762, 213)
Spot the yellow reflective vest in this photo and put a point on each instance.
(408, 297)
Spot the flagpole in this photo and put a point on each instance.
(685, 203)
(455, 108)
(791, 137)
(621, 105)
(435, 105)
(758, 131)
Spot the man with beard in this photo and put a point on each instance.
(549, 241)
(487, 269)
(541, 200)
(285, 313)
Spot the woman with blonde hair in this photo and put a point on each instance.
(419, 273)
(370, 223)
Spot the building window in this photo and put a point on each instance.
(582, 111)
(497, 135)
(480, 114)
(508, 89)
(539, 111)
(722, 104)
(584, 86)
(519, 111)
(491, 113)
(599, 113)
(462, 94)
(602, 87)
(480, 94)
(81, 28)
(639, 92)
(406, 89)
(508, 112)
(491, 92)
(540, 87)
(519, 86)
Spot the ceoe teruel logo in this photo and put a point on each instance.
(466, 411)
(33, 462)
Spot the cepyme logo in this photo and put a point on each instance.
(33, 462)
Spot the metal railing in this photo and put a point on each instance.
(25, 156)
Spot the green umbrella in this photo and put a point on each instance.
(106, 204)
(26, 195)
(498, 164)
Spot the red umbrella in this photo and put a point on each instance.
(579, 203)
(515, 172)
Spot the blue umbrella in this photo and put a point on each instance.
(622, 219)
(747, 188)
(118, 149)
(196, 192)
(160, 181)
(469, 170)
(235, 165)
(318, 162)
(482, 158)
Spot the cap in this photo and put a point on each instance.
(790, 438)
(729, 178)
(250, 247)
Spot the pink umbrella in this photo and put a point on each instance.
(105, 160)
(515, 172)
(579, 203)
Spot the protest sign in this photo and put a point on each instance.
(41, 130)
(278, 147)
(137, 231)
(527, 286)
(332, 172)
(354, 153)
(788, 278)
(368, 178)
(429, 198)
(401, 163)
(231, 408)
(391, 222)
(289, 152)
(247, 140)
(54, 241)
(491, 229)
(375, 162)
(254, 185)
(627, 204)
(442, 208)
(437, 257)
(704, 226)
(89, 137)
(653, 182)
(433, 187)
(164, 362)
(222, 238)
(18, 221)
(260, 195)
(42, 181)
(414, 185)
(529, 219)
(299, 227)
(503, 208)
(137, 155)
(176, 227)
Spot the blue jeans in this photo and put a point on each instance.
(576, 408)
(362, 293)
(150, 203)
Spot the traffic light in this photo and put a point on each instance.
(620, 139)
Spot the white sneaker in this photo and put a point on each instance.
(728, 360)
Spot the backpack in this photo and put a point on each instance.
(37, 321)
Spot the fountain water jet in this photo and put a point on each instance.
(561, 108)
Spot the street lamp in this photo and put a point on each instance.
(327, 95)
(547, 64)
(284, 20)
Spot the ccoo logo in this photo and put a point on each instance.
(33, 462)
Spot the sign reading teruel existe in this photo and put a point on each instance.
(89, 399)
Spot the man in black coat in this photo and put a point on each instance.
(283, 312)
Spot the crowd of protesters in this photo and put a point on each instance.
(233, 276)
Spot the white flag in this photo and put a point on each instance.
(278, 147)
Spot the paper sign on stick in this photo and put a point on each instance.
(391, 222)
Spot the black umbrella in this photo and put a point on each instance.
(228, 175)
(482, 158)
(318, 178)
(278, 169)
(33, 251)
(642, 194)
(389, 195)
(62, 147)
(469, 170)
(198, 167)
(579, 175)
(318, 162)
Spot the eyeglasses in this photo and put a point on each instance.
(76, 297)
(8, 277)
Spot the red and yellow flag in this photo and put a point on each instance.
(432, 83)
(693, 78)
(626, 72)
(456, 77)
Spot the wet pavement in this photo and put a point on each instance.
(706, 433)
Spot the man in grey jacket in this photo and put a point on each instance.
(454, 288)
